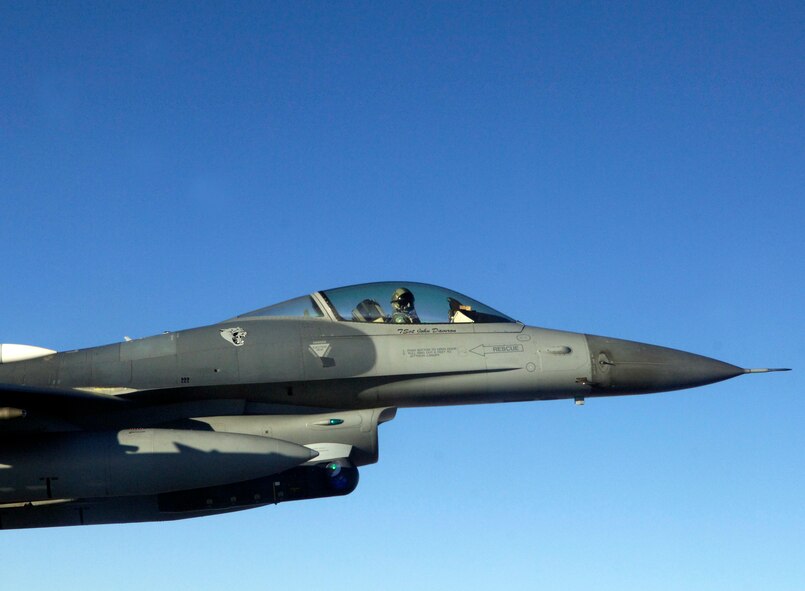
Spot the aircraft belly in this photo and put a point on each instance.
(69, 512)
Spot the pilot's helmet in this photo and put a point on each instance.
(402, 299)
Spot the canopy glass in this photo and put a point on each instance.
(394, 302)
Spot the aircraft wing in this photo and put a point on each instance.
(52, 409)
(44, 409)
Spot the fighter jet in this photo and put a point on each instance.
(282, 403)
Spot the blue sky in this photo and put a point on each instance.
(632, 170)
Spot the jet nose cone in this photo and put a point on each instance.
(628, 367)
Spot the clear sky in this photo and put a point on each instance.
(628, 169)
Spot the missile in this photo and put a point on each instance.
(10, 353)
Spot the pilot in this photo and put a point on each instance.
(402, 307)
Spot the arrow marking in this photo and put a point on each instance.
(484, 350)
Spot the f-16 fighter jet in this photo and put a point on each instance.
(280, 404)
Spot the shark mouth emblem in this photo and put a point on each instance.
(236, 336)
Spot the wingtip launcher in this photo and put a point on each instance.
(10, 353)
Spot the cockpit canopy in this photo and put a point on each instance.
(387, 302)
